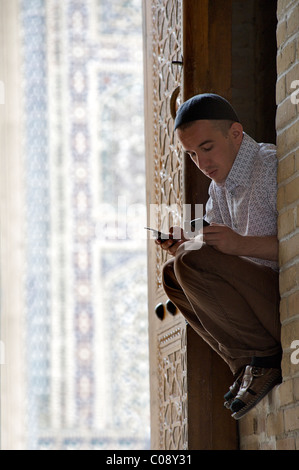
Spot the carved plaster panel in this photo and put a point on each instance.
(172, 368)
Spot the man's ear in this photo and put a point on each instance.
(236, 132)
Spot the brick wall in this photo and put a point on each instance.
(274, 423)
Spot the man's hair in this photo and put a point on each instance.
(206, 106)
(222, 125)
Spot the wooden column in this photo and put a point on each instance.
(206, 68)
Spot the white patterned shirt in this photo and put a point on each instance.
(246, 202)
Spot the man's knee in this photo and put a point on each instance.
(197, 258)
(168, 271)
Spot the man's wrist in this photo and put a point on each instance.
(265, 247)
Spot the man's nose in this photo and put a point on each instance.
(202, 162)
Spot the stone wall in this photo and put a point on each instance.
(274, 423)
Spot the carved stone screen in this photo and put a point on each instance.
(167, 72)
(163, 68)
(173, 387)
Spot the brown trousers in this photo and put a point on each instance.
(231, 302)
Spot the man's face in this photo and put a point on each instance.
(212, 152)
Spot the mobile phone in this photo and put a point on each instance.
(198, 223)
(162, 237)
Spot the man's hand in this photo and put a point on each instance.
(224, 239)
(171, 245)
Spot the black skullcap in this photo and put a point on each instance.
(205, 106)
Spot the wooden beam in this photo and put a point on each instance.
(206, 68)
(207, 47)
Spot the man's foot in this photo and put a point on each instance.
(233, 390)
(256, 383)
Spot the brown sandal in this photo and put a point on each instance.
(256, 383)
(233, 390)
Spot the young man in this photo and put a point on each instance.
(226, 286)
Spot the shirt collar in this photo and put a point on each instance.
(240, 173)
